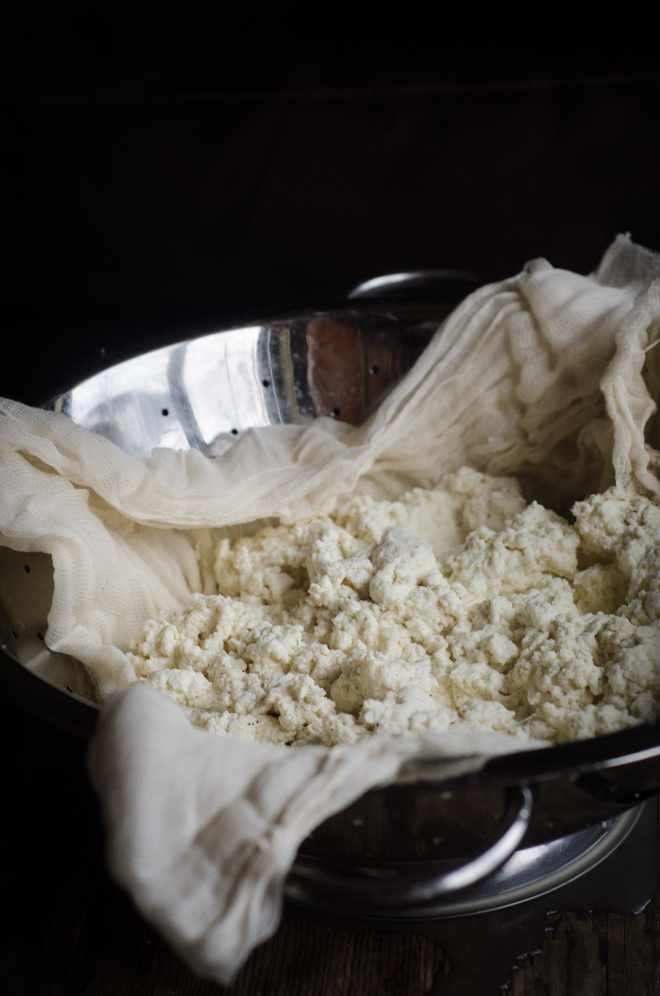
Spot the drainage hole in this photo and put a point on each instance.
(266, 383)
(27, 569)
(336, 412)
(165, 411)
(234, 432)
(40, 636)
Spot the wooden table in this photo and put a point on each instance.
(72, 932)
(131, 215)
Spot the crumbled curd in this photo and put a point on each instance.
(457, 606)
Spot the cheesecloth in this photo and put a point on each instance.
(549, 376)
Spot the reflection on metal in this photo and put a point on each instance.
(421, 283)
(379, 893)
(530, 872)
(202, 393)
(25, 600)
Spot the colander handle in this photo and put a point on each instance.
(312, 882)
(397, 284)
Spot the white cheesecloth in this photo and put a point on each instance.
(549, 375)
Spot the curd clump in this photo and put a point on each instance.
(460, 606)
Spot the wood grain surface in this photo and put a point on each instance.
(132, 216)
(71, 932)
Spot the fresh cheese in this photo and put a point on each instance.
(460, 606)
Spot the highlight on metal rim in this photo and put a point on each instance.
(413, 280)
(309, 878)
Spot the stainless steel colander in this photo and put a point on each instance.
(405, 849)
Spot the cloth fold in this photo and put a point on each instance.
(549, 376)
(202, 830)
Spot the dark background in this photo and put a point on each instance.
(165, 171)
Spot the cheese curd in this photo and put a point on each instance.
(459, 606)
